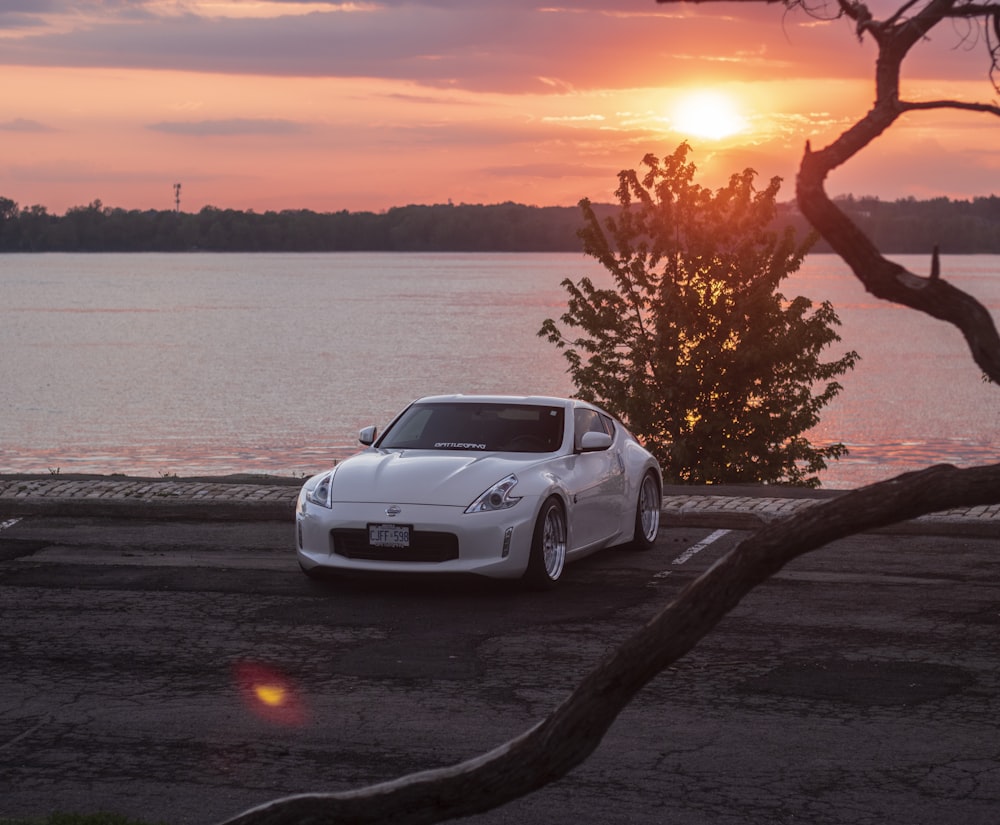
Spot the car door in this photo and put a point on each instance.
(596, 484)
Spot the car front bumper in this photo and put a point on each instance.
(495, 544)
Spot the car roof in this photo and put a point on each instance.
(532, 400)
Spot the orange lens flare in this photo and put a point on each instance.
(269, 694)
(272, 695)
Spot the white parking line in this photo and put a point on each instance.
(9, 523)
(695, 549)
(692, 551)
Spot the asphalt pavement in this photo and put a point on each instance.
(272, 498)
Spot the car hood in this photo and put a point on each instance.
(420, 476)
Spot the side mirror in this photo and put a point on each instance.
(367, 436)
(593, 442)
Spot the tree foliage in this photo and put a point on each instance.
(693, 346)
(901, 226)
(505, 227)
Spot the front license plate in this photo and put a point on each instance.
(389, 535)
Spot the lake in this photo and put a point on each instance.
(187, 364)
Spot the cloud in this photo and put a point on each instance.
(539, 102)
(229, 127)
(516, 46)
(20, 124)
(547, 170)
(31, 6)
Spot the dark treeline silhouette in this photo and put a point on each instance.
(902, 226)
(909, 226)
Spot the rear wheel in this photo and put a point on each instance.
(548, 547)
(647, 514)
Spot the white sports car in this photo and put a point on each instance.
(498, 486)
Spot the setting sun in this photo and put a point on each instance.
(707, 114)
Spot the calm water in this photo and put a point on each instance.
(270, 363)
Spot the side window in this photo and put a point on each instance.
(588, 421)
(609, 425)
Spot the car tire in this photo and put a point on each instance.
(548, 547)
(647, 514)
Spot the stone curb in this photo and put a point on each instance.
(149, 499)
(752, 512)
(268, 499)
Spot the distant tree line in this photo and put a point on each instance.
(902, 226)
(910, 226)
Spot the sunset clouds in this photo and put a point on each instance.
(329, 106)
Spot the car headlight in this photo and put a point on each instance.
(322, 493)
(498, 497)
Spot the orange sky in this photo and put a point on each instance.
(368, 105)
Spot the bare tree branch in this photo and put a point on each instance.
(573, 731)
(969, 10)
(988, 108)
(881, 277)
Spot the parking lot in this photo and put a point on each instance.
(858, 685)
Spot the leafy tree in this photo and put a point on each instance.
(693, 346)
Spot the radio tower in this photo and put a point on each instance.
(177, 197)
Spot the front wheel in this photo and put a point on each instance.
(647, 514)
(548, 547)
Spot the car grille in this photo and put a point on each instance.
(424, 546)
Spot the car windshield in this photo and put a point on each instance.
(488, 427)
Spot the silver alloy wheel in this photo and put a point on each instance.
(554, 541)
(649, 507)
